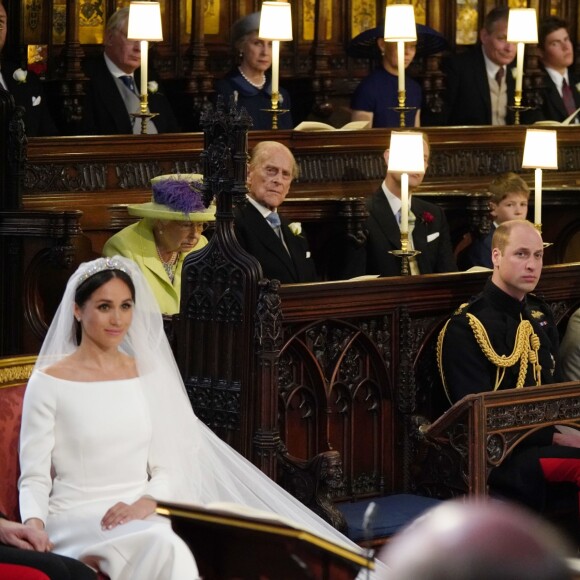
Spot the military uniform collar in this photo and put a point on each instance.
(504, 301)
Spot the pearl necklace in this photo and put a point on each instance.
(255, 85)
(170, 265)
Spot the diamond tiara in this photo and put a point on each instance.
(99, 265)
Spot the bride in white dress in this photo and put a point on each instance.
(107, 427)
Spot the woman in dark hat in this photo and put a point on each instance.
(377, 94)
(171, 228)
(249, 82)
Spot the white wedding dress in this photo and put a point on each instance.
(86, 446)
(97, 436)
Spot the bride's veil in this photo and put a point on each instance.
(203, 468)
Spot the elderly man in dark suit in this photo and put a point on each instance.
(281, 248)
(113, 90)
(428, 231)
(480, 85)
(26, 89)
(560, 97)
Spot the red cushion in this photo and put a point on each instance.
(10, 416)
(16, 572)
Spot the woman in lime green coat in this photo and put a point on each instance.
(171, 227)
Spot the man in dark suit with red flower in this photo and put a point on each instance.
(428, 231)
(26, 89)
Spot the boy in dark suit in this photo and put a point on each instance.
(509, 201)
(280, 247)
(560, 96)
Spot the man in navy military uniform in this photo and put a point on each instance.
(505, 338)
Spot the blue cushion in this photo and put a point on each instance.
(393, 512)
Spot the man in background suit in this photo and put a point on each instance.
(26, 89)
(428, 231)
(114, 88)
(480, 85)
(281, 250)
(560, 97)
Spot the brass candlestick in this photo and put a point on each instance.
(275, 111)
(517, 107)
(402, 109)
(144, 114)
(405, 254)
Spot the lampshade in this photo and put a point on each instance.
(406, 152)
(541, 149)
(400, 23)
(276, 21)
(144, 21)
(522, 25)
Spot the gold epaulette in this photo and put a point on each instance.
(526, 347)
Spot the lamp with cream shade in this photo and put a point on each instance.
(540, 152)
(144, 25)
(400, 28)
(522, 29)
(405, 156)
(275, 25)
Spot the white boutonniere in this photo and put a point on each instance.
(578, 86)
(295, 228)
(36, 101)
(514, 72)
(20, 75)
(152, 87)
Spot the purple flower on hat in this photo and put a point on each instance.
(179, 195)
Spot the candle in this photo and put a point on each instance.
(520, 67)
(275, 65)
(404, 202)
(538, 198)
(401, 63)
(144, 64)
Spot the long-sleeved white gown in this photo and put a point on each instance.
(84, 447)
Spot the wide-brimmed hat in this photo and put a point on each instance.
(364, 45)
(176, 197)
(245, 25)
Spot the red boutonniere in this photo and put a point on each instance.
(427, 218)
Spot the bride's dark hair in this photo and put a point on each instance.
(86, 288)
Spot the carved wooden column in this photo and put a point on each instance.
(321, 80)
(198, 81)
(227, 332)
(71, 79)
(12, 153)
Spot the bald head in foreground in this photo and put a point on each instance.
(464, 540)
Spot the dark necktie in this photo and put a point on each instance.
(128, 82)
(499, 75)
(568, 97)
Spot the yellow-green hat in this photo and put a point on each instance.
(176, 197)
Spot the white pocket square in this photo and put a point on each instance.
(432, 237)
(36, 101)
(308, 255)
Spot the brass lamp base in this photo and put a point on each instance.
(275, 114)
(402, 111)
(144, 119)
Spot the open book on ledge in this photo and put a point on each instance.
(317, 126)
(567, 121)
